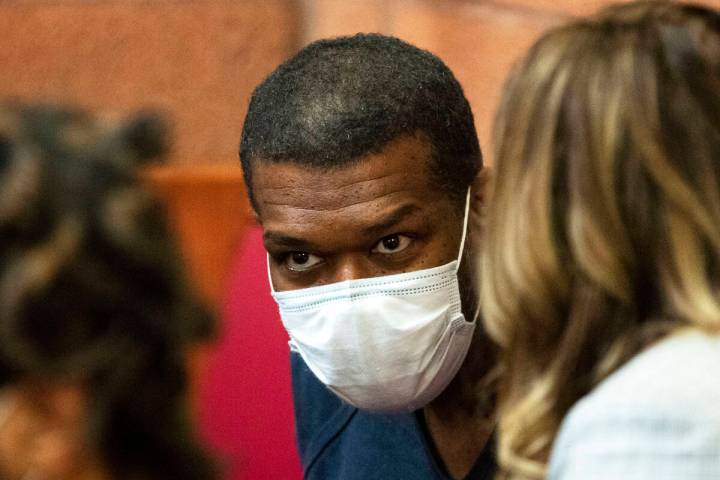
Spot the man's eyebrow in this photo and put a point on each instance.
(287, 241)
(390, 220)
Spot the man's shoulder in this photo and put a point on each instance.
(341, 442)
(315, 405)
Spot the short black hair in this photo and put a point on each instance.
(341, 99)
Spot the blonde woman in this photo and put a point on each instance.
(602, 259)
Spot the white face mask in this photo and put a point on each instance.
(390, 343)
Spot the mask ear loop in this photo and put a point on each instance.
(464, 230)
(267, 266)
(466, 219)
(477, 313)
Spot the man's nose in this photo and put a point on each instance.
(351, 267)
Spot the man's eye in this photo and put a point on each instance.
(301, 261)
(392, 244)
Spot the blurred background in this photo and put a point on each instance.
(198, 61)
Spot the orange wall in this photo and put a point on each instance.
(200, 59)
(197, 60)
(478, 39)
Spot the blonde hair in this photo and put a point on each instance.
(604, 228)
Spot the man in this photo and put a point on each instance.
(359, 154)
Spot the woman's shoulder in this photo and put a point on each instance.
(659, 411)
(683, 369)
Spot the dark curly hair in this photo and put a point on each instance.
(91, 286)
(342, 99)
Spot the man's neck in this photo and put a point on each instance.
(460, 420)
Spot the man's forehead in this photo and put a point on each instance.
(400, 170)
(324, 191)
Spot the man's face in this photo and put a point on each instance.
(380, 216)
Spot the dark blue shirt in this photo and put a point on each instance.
(340, 442)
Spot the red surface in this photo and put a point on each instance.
(246, 411)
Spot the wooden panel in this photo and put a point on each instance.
(208, 208)
(198, 60)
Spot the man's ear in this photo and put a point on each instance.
(481, 186)
(480, 191)
(479, 196)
